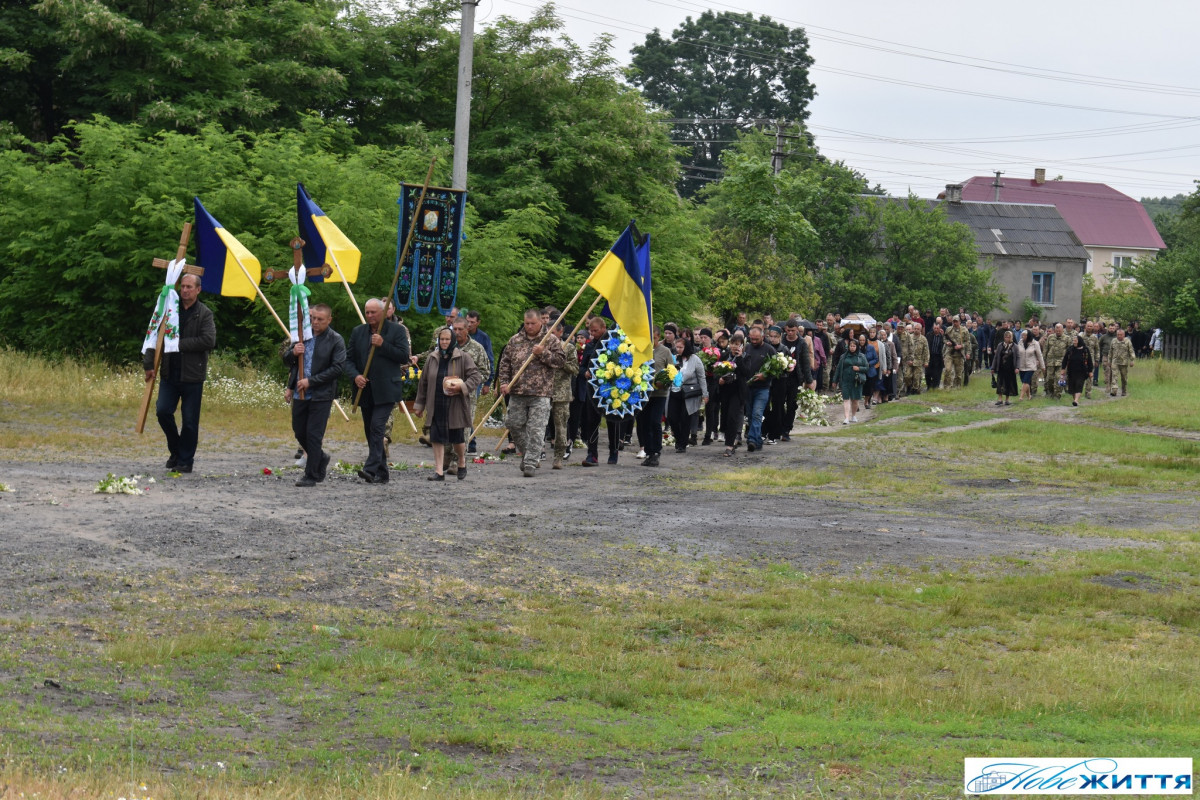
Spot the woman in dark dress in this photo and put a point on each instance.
(1004, 370)
(1076, 367)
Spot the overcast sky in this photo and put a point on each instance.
(1138, 130)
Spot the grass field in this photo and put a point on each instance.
(746, 681)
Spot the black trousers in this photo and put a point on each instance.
(732, 414)
(590, 429)
(679, 419)
(712, 411)
(309, 418)
(776, 410)
(574, 420)
(791, 405)
(374, 419)
(649, 425)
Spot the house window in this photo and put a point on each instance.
(1121, 264)
(1043, 288)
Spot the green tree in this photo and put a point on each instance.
(725, 70)
(920, 257)
(178, 65)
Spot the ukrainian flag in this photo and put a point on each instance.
(623, 279)
(324, 243)
(220, 254)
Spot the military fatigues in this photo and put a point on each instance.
(1054, 347)
(972, 350)
(955, 358)
(1093, 345)
(1120, 356)
(916, 356)
(1106, 341)
(560, 400)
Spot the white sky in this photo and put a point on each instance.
(903, 136)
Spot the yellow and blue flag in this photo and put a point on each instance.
(219, 252)
(623, 279)
(324, 243)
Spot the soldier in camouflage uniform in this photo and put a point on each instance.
(1054, 347)
(957, 342)
(1092, 339)
(560, 398)
(915, 360)
(1120, 359)
(971, 351)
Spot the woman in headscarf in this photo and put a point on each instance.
(869, 348)
(449, 377)
(1004, 370)
(851, 376)
(1076, 367)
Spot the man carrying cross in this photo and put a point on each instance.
(183, 374)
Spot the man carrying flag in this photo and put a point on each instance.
(184, 368)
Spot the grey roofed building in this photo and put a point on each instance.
(1031, 249)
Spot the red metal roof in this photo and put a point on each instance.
(1099, 214)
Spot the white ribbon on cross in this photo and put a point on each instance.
(166, 308)
(299, 295)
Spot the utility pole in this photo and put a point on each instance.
(997, 185)
(777, 155)
(462, 108)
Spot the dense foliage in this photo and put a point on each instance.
(726, 72)
(117, 113)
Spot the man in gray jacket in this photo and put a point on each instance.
(324, 357)
(183, 374)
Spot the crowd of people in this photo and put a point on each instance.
(738, 386)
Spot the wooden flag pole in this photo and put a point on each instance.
(286, 330)
(162, 332)
(412, 229)
(570, 336)
(545, 338)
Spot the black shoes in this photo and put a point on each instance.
(612, 458)
(369, 478)
(306, 482)
(172, 462)
(437, 476)
(188, 468)
(322, 468)
(651, 461)
(462, 473)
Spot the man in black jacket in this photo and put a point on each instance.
(383, 387)
(937, 358)
(183, 374)
(797, 347)
(324, 357)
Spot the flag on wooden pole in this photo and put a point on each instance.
(229, 268)
(324, 242)
(623, 279)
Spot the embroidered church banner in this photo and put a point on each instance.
(429, 275)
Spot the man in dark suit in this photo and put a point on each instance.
(183, 374)
(324, 358)
(384, 388)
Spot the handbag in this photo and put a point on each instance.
(691, 390)
(860, 378)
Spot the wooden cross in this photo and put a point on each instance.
(189, 269)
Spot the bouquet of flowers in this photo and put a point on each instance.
(722, 368)
(618, 386)
(777, 366)
(665, 377)
(709, 356)
(409, 376)
(810, 407)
